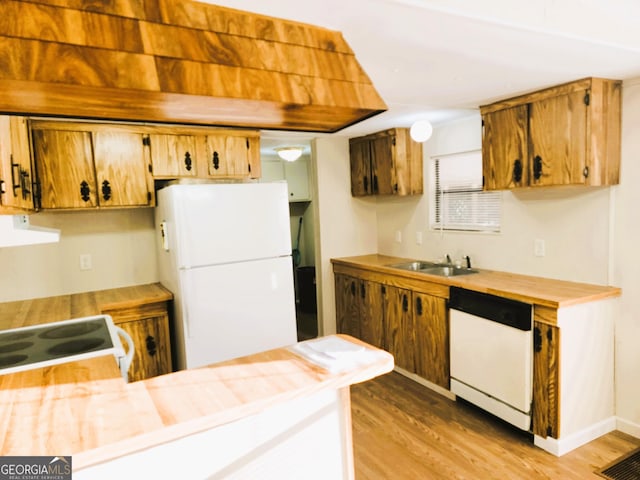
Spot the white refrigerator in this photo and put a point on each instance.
(224, 250)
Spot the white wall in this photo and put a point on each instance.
(347, 225)
(574, 223)
(626, 265)
(120, 243)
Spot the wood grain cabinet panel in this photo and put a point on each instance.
(173, 156)
(64, 164)
(386, 163)
(505, 148)
(232, 156)
(122, 173)
(546, 381)
(148, 326)
(347, 305)
(563, 135)
(16, 169)
(431, 326)
(399, 326)
(90, 165)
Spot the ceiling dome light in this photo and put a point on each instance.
(421, 131)
(289, 154)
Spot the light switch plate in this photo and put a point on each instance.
(539, 249)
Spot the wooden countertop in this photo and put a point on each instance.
(35, 311)
(529, 289)
(85, 409)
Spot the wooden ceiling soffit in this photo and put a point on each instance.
(178, 62)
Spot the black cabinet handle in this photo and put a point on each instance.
(187, 161)
(419, 305)
(215, 160)
(375, 184)
(85, 191)
(2, 190)
(106, 190)
(537, 339)
(362, 290)
(585, 172)
(150, 343)
(405, 303)
(365, 183)
(15, 167)
(537, 167)
(353, 288)
(517, 170)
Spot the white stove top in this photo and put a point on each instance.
(58, 342)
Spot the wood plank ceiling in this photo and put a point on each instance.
(178, 62)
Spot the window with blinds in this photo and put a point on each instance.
(458, 202)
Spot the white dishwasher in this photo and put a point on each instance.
(491, 348)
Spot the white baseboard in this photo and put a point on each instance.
(426, 383)
(559, 447)
(628, 427)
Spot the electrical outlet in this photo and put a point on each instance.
(539, 248)
(418, 238)
(398, 236)
(85, 261)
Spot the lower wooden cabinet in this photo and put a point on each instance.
(398, 327)
(411, 325)
(546, 378)
(148, 326)
(431, 327)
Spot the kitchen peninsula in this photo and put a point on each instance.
(235, 416)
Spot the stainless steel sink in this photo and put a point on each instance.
(433, 268)
(414, 266)
(448, 271)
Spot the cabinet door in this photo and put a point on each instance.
(432, 338)
(558, 140)
(228, 156)
(371, 313)
(148, 326)
(16, 175)
(122, 169)
(546, 381)
(504, 148)
(297, 175)
(347, 305)
(173, 156)
(360, 160)
(64, 165)
(383, 165)
(399, 331)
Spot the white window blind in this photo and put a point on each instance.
(458, 202)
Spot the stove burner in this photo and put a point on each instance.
(76, 346)
(12, 337)
(14, 347)
(68, 331)
(10, 360)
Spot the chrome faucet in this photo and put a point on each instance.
(448, 259)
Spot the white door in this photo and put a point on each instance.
(238, 309)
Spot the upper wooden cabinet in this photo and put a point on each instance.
(90, 165)
(564, 135)
(16, 173)
(173, 155)
(204, 152)
(386, 163)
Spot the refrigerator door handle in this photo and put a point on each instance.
(165, 235)
(186, 294)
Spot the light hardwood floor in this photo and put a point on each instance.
(403, 430)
